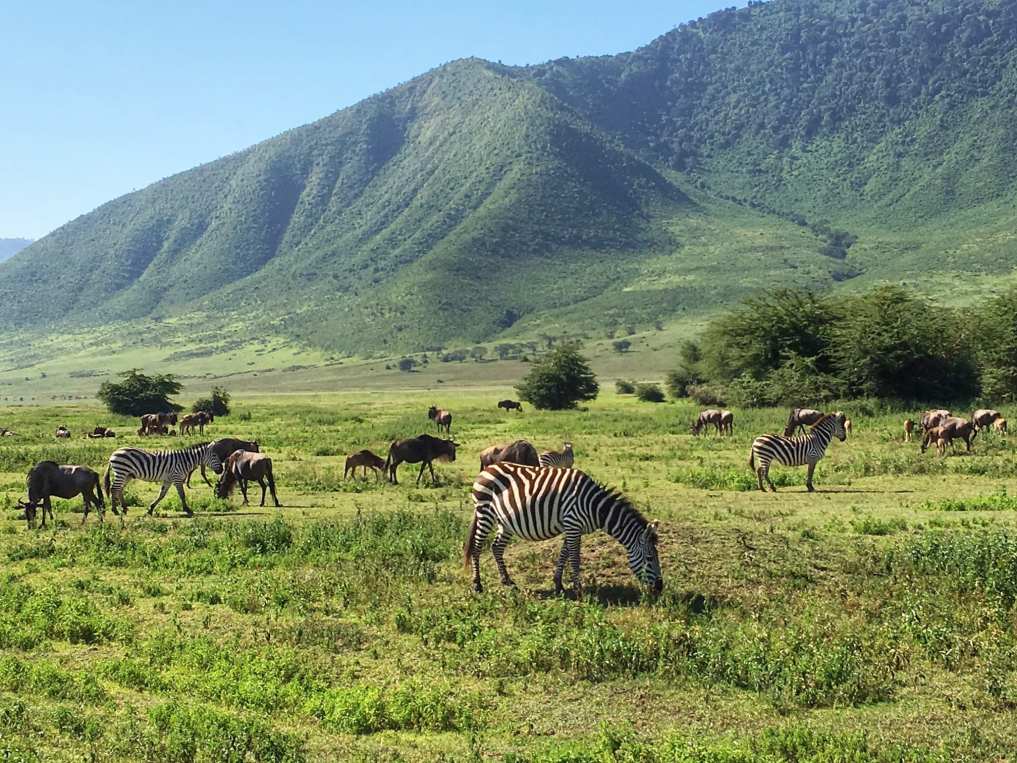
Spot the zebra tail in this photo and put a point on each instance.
(471, 538)
(752, 460)
(98, 490)
(106, 480)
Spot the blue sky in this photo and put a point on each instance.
(101, 98)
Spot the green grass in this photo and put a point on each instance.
(868, 621)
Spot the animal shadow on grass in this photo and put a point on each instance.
(860, 490)
(605, 595)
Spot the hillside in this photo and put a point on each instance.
(814, 143)
(11, 246)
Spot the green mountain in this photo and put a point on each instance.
(798, 141)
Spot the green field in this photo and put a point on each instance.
(873, 619)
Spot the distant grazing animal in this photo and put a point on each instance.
(795, 451)
(422, 450)
(909, 428)
(223, 449)
(99, 432)
(442, 418)
(188, 422)
(63, 433)
(726, 422)
(950, 429)
(366, 459)
(242, 467)
(5, 432)
(170, 467)
(563, 458)
(518, 452)
(801, 418)
(932, 419)
(999, 425)
(707, 418)
(157, 423)
(539, 504)
(48, 478)
(984, 418)
(204, 418)
(510, 405)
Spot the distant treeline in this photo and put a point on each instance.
(793, 346)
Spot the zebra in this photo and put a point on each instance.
(170, 467)
(796, 451)
(539, 503)
(563, 458)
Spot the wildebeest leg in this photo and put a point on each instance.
(434, 479)
(87, 498)
(47, 506)
(162, 494)
(498, 551)
(808, 478)
(183, 498)
(423, 464)
(243, 489)
(264, 487)
(271, 486)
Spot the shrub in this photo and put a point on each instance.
(407, 364)
(650, 393)
(218, 404)
(559, 380)
(623, 387)
(139, 394)
(679, 381)
(622, 345)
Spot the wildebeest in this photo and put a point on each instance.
(909, 428)
(422, 450)
(223, 449)
(441, 417)
(934, 418)
(518, 452)
(707, 418)
(984, 418)
(63, 433)
(801, 418)
(999, 425)
(48, 478)
(100, 432)
(366, 459)
(192, 420)
(243, 466)
(510, 405)
(157, 423)
(950, 429)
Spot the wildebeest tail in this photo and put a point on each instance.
(98, 493)
(471, 538)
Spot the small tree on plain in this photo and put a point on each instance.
(139, 393)
(407, 364)
(650, 393)
(560, 380)
(218, 404)
(622, 345)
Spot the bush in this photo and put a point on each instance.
(650, 393)
(622, 345)
(623, 387)
(679, 381)
(218, 404)
(407, 364)
(139, 394)
(707, 394)
(559, 380)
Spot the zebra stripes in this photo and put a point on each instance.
(542, 503)
(795, 451)
(564, 458)
(170, 467)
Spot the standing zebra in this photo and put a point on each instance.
(541, 503)
(170, 467)
(563, 458)
(795, 451)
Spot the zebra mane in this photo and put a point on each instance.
(617, 498)
(826, 416)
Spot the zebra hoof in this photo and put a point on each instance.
(478, 588)
(508, 583)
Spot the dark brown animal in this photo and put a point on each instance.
(48, 478)
(242, 467)
(188, 423)
(801, 418)
(366, 459)
(510, 405)
(934, 418)
(223, 449)
(442, 418)
(518, 452)
(909, 429)
(984, 418)
(99, 432)
(63, 433)
(156, 423)
(950, 429)
(422, 450)
(711, 416)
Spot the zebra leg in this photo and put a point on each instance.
(559, 568)
(572, 543)
(162, 494)
(808, 478)
(183, 498)
(484, 525)
(501, 540)
(766, 473)
(761, 470)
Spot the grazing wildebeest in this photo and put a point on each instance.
(707, 418)
(422, 450)
(63, 433)
(223, 449)
(909, 429)
(518, 452)
(984, 418)
(204, 418)
(510, 405)
(999, 425)
(100, 432)
(441, 417)
(48, 478)
(563, 458)
(950, 429)
(801, 418)
(157, 423)
(366, 459)
(243, 466)
(188, 422)
(932, 419)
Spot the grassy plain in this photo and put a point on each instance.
(873, 619)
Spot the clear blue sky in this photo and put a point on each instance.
(101, 98)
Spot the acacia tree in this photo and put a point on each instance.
(139, 394)
(559, 380)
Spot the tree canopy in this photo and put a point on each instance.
(138, 394)
(561, 379)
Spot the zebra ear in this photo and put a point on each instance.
(651, 530)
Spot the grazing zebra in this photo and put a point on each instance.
(563, 458)
(170, 467)
(539, 504)
(795, 451)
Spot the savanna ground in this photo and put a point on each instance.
(873, 619)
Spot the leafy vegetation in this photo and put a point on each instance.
(139, 393)
(218, 403)
(558, 381)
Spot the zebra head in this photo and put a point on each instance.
(839, 431)
(645, 562)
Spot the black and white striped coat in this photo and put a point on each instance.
(539, 503)
(563, 458)
(795, 451)
(170, 467)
